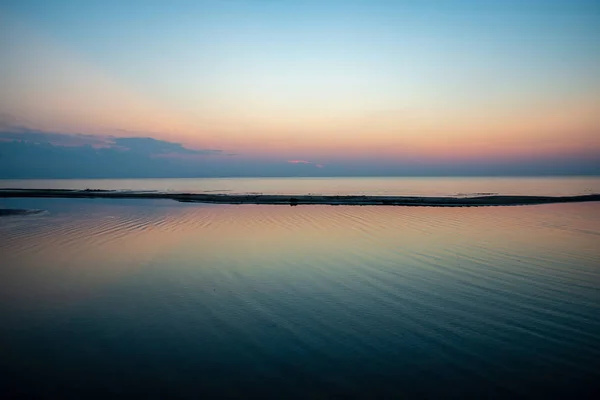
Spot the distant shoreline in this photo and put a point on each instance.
(366, 200)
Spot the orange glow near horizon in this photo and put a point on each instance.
(287, 120)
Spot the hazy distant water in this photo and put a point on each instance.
(417, 186)
(140, 299)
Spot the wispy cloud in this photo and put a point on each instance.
(161, 147)
(306, 162)
(26, 153)
(10, 131)
(56, 139)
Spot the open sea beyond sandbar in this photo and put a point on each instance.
(113, 298)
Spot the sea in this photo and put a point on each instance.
(383, 186)
(146, 298)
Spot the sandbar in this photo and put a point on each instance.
(293, 200)
(5, 212)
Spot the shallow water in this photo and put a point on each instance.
(390, 186)
(130, 298)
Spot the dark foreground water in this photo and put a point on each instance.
(158, 299)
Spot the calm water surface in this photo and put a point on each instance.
(461, 186)
(157, 299)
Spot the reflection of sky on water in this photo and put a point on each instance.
(81, 245)
(254, 299)
(398, 186)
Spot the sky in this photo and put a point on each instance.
(282, 87)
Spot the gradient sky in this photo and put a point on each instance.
(326, 83)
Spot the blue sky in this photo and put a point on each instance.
(331, 82)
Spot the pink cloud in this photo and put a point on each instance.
(185, 156)
(299, 162)
(305, 162)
